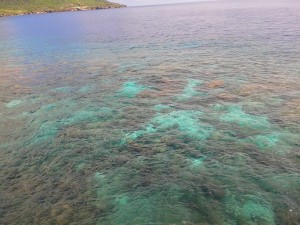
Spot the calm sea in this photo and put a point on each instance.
(183, 114)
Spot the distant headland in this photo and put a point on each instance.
(21, 7)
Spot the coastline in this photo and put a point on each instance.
(69, 9)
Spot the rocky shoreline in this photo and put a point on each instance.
(78, 8)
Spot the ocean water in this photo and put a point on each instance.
(183, 114)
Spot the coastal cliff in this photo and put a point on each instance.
(21, 7)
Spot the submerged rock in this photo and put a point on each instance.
(227, 96)
(148, 94)
(290, 112)
(216, 84)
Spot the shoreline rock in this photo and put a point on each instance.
(74, 9)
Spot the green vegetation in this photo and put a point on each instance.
(19, 7)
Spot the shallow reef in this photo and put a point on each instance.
(157, 161)
(116, 120)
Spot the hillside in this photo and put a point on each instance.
(19, 7)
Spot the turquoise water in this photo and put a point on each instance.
(178, 114)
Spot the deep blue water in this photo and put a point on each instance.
(177, 114)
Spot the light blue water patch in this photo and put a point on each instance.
(122, 200)
(264, 141)
(80, 116)
(189, 90)
(139, 133)
(197, 163)
(236, 115)
(5, 145)
(66, 89)
(185, 121)
(48, 107)
(99, 178)
(69, 105)
(161, 107)
(254, 211)
(85, 89)
(131, 89)
(13, 103)
(103, 190)
(156, 208)
(250, 208)
(219, 107)
(80, 167)
(88, 115)
(47, 131)
(109, 190)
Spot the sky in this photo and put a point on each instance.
(151, 2)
